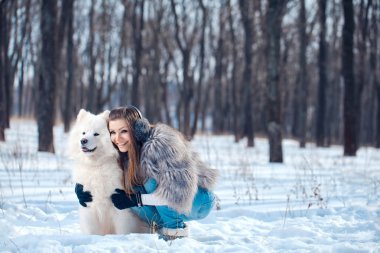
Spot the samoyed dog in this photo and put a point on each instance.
(97, 169)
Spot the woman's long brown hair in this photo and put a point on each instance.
(132, 173)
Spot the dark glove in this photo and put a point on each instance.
(122, 200)
(83, 197)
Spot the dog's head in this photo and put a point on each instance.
(90, 137)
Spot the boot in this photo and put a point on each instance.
(169, 234)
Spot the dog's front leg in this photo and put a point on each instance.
(89, 221)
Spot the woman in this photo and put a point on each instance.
(166, 183)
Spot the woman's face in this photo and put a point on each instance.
(120, 134)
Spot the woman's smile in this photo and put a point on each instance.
(122, 145)
(120, 134)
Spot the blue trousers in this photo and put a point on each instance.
(167, 217)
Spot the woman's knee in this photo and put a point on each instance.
(203, 203)
(206, 207)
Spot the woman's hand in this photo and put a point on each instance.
(83, 197)
(122, 200)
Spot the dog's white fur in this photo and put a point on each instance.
(99, 173)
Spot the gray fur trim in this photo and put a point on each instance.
(167, 157)
(206, 176)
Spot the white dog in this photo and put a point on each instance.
(97, 170)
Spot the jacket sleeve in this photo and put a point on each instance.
(167, 157)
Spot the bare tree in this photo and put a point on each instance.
(137, 27)
(374, 39)
(10, 54)
(4, 42)
(334, 107)
(323, 82)
(234, 82)
(350, 117)
(104, 57)
(185, 41)
(303, 78)
(62, 20)
(362, 74)
(47, 80)
(247, 14)
(122, 70)
(92, 90)
(274, 20)
(67, 116)
(153, 99)
(202, 44)
(167, 54)
(26, 30)
(219, 115)
(199, 59)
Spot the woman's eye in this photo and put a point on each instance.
(124, 131)
(112, 132)
(96, 134)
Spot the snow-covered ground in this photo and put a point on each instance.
(317, 201)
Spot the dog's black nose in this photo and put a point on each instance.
(83, 141)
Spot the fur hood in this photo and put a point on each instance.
(167, 157)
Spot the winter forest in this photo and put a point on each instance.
(306, 70)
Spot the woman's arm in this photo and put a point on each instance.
(123, 200)
(153, 199)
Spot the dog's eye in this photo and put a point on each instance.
(96, 134)
(84, 133)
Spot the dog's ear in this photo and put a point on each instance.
(105, 114)
(82, 113)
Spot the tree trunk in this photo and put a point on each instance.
(199, 97)
(378, 116)
(350, 117)
(26, 30)
(121, 68)
(61, 35)
(303, 79)
(9, 61)
(234, 83)
(70, 66)
(187, 92)
(92, 90)
(102, 55)
(218, 114)
(164, 87)
(374, 65)
(153, 99)
(47, 82)
(274, 20)
(362, 67)
(3, 83)
(335, 105)
(20, 91)
(247, 14)
(138, 27)
(322, 67)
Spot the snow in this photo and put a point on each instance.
(316, 201)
